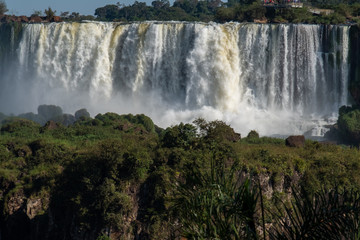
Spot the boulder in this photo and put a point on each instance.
(50, 125)
(55, 19)
(295, 141)
(35, 19)
(49, 112)
(23, 19)
(8, 19)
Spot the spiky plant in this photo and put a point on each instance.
(218, 204)
(324, 215)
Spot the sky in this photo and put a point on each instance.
(84, 7)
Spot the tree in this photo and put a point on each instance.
(189, 6)
(64, 14)
(160, 4)
(3, 8)
(109, 12)
(36, 13)
(49, 13)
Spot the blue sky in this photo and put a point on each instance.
(85, 7)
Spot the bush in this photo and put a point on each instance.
(3, 8)
(181, 135)
(349, 124)
(253, 134)
(20, 127)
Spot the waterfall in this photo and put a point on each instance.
(274, 78)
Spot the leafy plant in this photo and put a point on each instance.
(330, 214)
(216, 205)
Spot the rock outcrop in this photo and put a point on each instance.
(25, 19)
(82, 113)
(295, 141)
(51, 125)
(35, 19)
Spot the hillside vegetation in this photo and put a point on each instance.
(124, 177)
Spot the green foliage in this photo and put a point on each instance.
(350, 121)
(182, 135)
(217, 131)
(225, 14)
(349, 124)
(101, 172)
(325, 215)
(20, 127)
(253, 134)
(49, 13)
(3, 8)
(109, 12)
(125, 122)
(216, 205)
(293, 15)
(233, 10)
(103, 237)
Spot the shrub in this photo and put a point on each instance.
(253, 134)
(20, 127)
(3, 8)
(181, 135)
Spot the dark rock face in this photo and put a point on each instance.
(295, 141)
(354, 87)
(25, 19)
(50, 125)
(82, 113)
(68, 119)
(49, 111)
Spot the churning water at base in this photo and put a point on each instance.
(276, 79)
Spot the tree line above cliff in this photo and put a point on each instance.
(233, 10)
(312, 11)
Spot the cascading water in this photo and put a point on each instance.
(277, 79)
